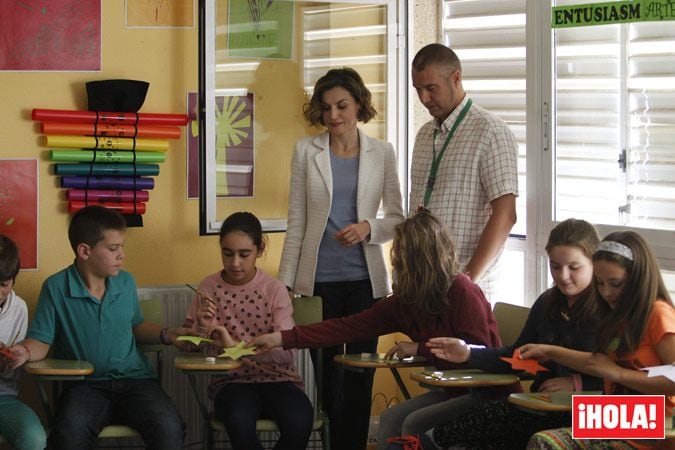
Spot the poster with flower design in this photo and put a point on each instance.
(234, 146)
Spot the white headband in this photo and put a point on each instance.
(616, 248)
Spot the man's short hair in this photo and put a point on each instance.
(9, 259)
(89, 223)
(438, 55)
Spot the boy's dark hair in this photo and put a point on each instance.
(246, 223)
(88, 225)
(9, 259)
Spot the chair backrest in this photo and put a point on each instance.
(510, 320)
(307, 310)
(151, 308)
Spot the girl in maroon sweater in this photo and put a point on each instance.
(431, 299)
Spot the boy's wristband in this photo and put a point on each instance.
(164, 336)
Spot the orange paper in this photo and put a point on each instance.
(528, 365)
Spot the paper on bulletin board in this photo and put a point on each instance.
(260, 29)
(54, 35)
(234, 146)
(160, 13)
(18, 207)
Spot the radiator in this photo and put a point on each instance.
(175, 301)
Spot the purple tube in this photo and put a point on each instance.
(135, 183)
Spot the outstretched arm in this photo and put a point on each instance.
(266, 342)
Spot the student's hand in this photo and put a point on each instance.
(402, 350)
(221, 337)
(206, 311)
(266, 342)
(535, 351)
(184, 346)
(14, 356)
(450, 349)
(601, 366)
(557, 384)
(353, 233)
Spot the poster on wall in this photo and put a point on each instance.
(260, 29)
(234, 146)
(160, 13)
(18, 207)
(50, 35)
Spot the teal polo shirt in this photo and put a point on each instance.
(79, 326)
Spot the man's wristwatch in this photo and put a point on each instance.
(164, 336)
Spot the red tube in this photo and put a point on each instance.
(107, 195)
(62, 115)
(120, 207)
(106, 129)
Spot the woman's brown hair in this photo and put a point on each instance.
(348, 79)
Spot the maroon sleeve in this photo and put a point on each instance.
(377, 320)
(473, 321)
(470, 319)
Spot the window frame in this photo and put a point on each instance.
(396, 133)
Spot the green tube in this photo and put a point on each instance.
(105, 156)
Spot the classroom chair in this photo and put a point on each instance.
(306, 310)
(510, 321)
(152, 312)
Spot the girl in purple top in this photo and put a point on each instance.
(239, 303)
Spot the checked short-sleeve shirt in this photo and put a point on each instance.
(479, 165)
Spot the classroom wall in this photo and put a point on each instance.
(168, 248)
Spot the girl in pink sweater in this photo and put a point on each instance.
(237, 304)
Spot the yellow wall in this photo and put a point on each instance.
(168, 249)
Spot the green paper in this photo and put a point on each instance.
(194, 339)
(105, 156)
(237, 351)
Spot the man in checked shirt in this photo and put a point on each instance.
(464, 166)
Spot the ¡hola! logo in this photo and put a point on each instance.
(618, 416)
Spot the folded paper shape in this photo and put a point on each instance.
(194, 339)
(237, 351)
(526, 365)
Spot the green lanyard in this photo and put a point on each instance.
(437, 159)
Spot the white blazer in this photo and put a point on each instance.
(309, 203)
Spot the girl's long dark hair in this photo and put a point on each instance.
(644, 285)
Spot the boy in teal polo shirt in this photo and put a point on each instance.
(90, 311)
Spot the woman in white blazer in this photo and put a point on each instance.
(333, 244)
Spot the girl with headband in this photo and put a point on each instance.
(638, 331)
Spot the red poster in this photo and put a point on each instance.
(50, 35)
(18, 207)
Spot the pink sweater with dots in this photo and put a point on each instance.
(257, 307)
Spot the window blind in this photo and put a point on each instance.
(489, 39)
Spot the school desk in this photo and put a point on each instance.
(468, 378)
(549, 401)
(377, 361)
(193, 364)
(56, 370)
